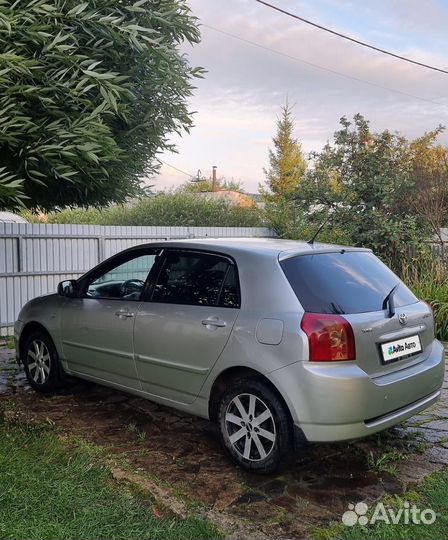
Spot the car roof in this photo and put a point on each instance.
(268, 246)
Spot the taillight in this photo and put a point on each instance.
(330, 337)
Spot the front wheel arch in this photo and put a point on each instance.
(55, 378)
(28, 329)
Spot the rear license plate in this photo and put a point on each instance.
(393, 350)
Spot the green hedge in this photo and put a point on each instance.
(165, 209)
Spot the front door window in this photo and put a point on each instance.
(123, 282)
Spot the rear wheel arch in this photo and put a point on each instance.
(254, 423)
(238, 373)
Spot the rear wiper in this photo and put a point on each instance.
(388, 302)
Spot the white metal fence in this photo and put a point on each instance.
(34, 257)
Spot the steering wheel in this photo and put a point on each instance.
(131, 285)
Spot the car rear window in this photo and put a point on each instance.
(343, 282)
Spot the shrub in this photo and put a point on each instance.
(428, 278)
(165, 209)
(362, 180)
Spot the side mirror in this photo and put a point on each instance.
(67, 288)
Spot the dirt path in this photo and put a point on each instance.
(182, 454)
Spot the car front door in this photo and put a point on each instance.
(97, 327)
(184, 325)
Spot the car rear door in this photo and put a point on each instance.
(185, 323)
(97, 327)
(356, 284)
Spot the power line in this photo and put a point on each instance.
(175, 168)
(343, 36)
(323, 68)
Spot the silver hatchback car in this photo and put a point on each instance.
(276, 341)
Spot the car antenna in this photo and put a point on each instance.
(316, 234)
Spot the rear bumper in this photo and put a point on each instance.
(341, 402)
(356, 430)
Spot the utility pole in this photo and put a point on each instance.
(214, 178)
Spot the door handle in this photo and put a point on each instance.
(124, 313)
(214, 322)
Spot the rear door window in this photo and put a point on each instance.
(230, 292)
(343, 282)
(200, 279)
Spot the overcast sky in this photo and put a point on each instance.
(238, 101)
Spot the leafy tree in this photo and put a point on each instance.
(429, 196)
(287, 162)
(89, 92)
(363, 180)
(11, 190)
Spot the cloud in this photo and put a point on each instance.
(241, 95)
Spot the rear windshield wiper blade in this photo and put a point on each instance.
(388, 301)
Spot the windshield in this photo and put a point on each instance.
(344, 282)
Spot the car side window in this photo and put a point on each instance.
(230, 292)
(124, 281)
(199, 279)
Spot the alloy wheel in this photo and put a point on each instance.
(250, 427)
(39, 361)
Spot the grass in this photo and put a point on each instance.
(132, 428)
(386, 462)
(387, 449)
(433, 493)
(55, 488)
(9, 342)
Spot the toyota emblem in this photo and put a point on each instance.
(403, 318)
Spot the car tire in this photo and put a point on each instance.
(41, 363)
(255, 426)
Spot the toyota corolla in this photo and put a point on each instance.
(276, 341)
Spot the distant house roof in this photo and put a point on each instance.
(9, 217)
(234, 197)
